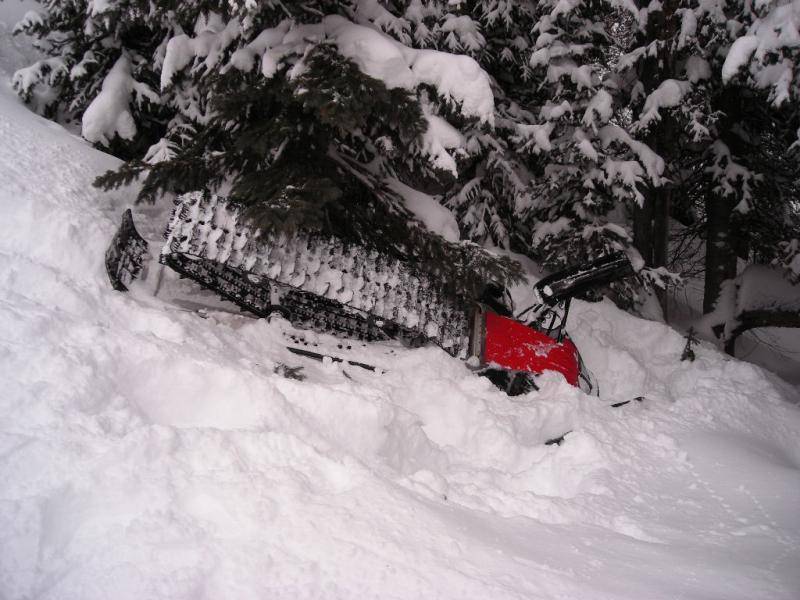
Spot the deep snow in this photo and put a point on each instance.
(146, 452)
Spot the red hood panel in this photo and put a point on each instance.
(513, 345)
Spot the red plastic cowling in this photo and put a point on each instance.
(513, 345)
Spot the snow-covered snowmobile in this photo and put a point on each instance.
(325, 285)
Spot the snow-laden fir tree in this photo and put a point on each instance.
(306, 114)
(494, 184)
(729, 163)
(767, 57)
(554, 173)
(98, 70)
(587, 170)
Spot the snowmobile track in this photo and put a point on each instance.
(321, 284)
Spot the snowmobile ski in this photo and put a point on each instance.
(337, 359)
(376, 356)
(624, 402)
(558, 440)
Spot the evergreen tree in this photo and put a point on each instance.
(98, 69)
(587, 169)
(305, 117)
(728, 158)
(715, 84)
(765, 54)
(494, 187)
(523, 118)
(551, 176)
(766, 57)
(492, 183)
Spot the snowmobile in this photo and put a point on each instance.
(356, 293)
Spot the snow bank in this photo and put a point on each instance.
(17, 51)
(146, 452)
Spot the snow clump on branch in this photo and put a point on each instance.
(457, 78)
(109, 113)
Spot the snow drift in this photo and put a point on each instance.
(146, 452)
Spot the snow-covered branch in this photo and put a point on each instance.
(759, 297)
(109, 114)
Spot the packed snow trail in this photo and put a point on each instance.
(146, 452)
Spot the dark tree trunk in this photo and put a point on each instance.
(651, 232)
(720, 253)
(753, 319)
(722, 234)
(643, 227)
(651, 220)
(661, 210)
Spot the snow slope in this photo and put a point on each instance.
(146, 452)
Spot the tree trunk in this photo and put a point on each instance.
(651, 220)
(651, 233)
(663, 201)
(650, 74)
(643, 227)
(720, 255)
(753, 319)
(722, 236)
